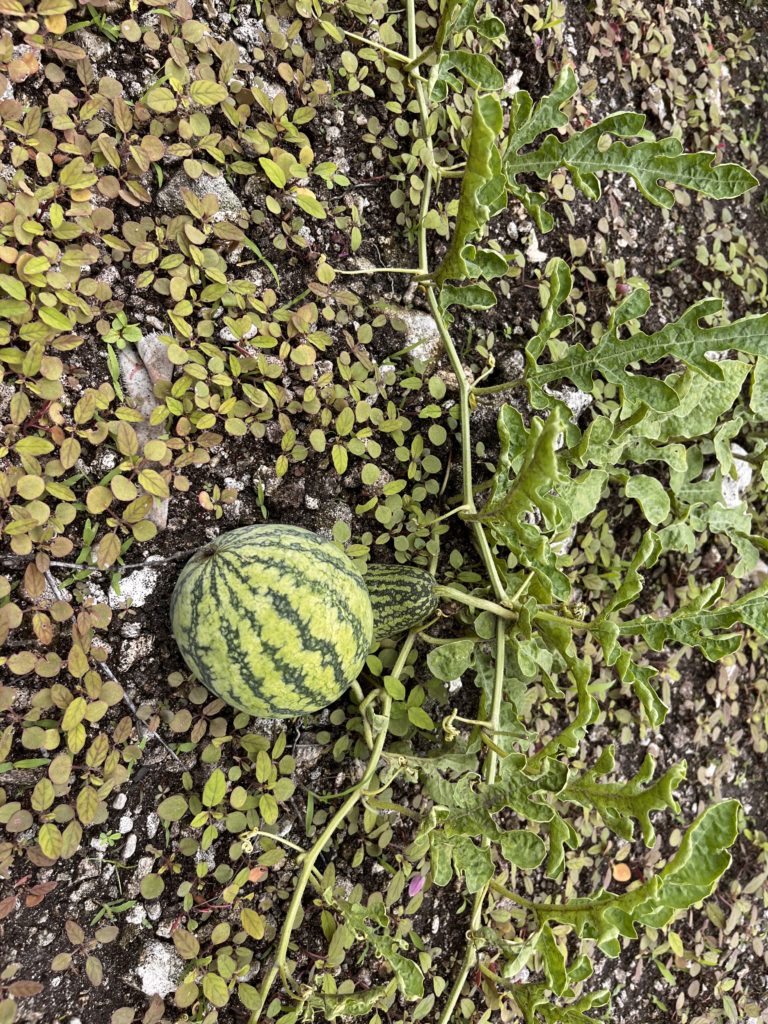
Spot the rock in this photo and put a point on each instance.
(135, 650)
(330, 513)
(251, 32)
(97, 47)
(159, 968)
(142, 368)
(135, 589)
(171, 200)
(422, 337)
(734, 490)
(576, 400)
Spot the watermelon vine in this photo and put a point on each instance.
(533, 501)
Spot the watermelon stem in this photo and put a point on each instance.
(490, 769)
(309, 859)
(357, 692)
(460, 596)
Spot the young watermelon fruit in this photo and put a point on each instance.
(402, 596)
(273, 619)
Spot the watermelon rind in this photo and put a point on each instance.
(273, 619)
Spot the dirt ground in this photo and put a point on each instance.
(88, 938)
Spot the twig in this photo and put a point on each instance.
(150, 562)
(132, 708)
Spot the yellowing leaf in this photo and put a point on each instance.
(160, 99)
(153, 483)
(273, 171)
(309, 203)
(215, 788)
(87, 805)
(207, 93)
(13, 287)
(53, 318)
(74, 175)
(108, 550)
(215, 990)
(252, 922)
(50, 840)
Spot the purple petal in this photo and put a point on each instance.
(416, 885)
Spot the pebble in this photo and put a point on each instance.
(170, 199)
(159, 969)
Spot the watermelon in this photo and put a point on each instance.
(402, 596)
(273, 619)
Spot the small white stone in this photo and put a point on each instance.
(133, 650)
(422, 337)
(159, 969)
(135, 589)
(733, 490)
(533, 253)
(143, 868)
(136, 915)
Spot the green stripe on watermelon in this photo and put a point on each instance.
(402, 596)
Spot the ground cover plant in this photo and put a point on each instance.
(205, 323)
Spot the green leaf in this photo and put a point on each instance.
(482, 189)
(215, 990)
(559, 284)
(208, 93)
(522, 848)
(152, 886)
(689, 877)
(527, 470)
(684, 339)
(419, 717)
(273, 171)
(449, 661)
(699, 624)
(631, 584)
(371, 923)
(585, 154)
(554, 960)
(478, 70)
(13, 287)
(618, 803)
(469, 296)
(160, 99)
(215, 788)
(309, 203)
(651, 496)
(356, 1004)
(172, 808)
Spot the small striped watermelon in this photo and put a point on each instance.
(273, 619)
(402, 596)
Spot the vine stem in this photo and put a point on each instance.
(392, 54)
(452, 594)
(490, 769)
(309, 859)
(490, 763)
(358, 271)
